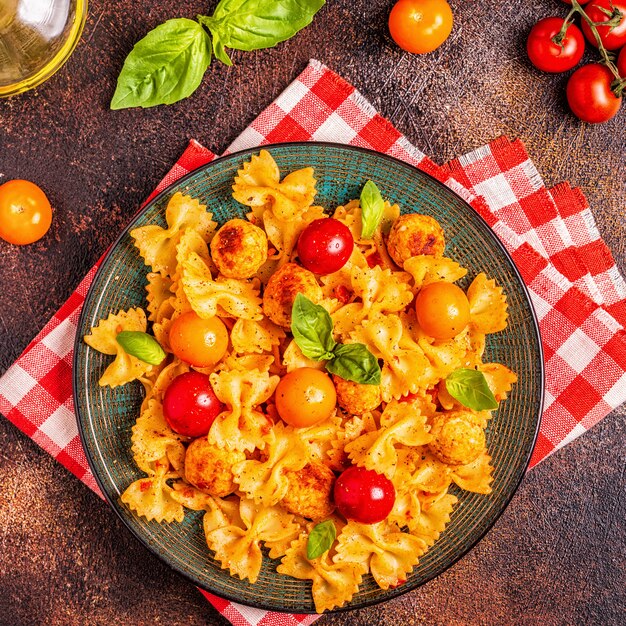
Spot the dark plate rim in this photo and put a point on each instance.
(399, 591)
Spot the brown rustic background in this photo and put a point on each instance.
(557, 554)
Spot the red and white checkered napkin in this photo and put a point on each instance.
(577, 290)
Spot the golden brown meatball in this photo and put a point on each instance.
(281, 291)
(238, 249)
(413, 235)
(310, 491)
(458, 439)
(355, 398)
(209, 468)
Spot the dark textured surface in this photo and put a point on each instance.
(557, 554)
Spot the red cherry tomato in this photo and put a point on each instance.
(190, 405)
(420, 26)
(548, 56)
(612, 37)
(621, 62)
(364, 496)
(325, 246)
(589, 94)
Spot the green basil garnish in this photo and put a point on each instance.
(353, 361)
(168, 64)
(141, 345)
(320, 539)
(470, 388)
(312, 329)
(372, 208)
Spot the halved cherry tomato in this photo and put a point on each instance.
(200, 342)
(325, 246)
(548, 56)
(305, 396)
(25, 212)
(442, 310)
(621, 62)
(589, 94)
(614, 37)
(363, 495)
(420, 26)
(190, 405)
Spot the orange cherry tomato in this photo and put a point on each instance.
(442, 310)
(198, 341)
(25, 212)
(305, 396)
(420, 26)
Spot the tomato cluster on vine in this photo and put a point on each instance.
(594, 91)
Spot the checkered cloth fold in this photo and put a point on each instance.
(576, 288)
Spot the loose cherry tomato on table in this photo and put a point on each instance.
(612, 38)
(363, 495)
(190, 405)
(420, 26)
(325, 246)
(548, 56)
(200, 342)
(305, 396)
(442, 310)
(589, 94)
(25, 212)
(621, 62)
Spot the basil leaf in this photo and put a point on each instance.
(353, 361)
(255, 24)
(470, 388)
(312, 328)
(141, 345)
(320, 539)
(166, 66)
(372, 208)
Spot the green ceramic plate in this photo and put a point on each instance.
(105, 416)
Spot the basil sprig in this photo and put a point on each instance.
(320, 539)
(141, 345)
(312, 329)
(168, 64)
(372, 209)
(470, 388)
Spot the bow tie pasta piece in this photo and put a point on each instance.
(432, 520)
(151, 497)
(159, 296)
(258, 184)
(475, 477)
(427, 269)
(430, 473)
(237, 298)
(499, 378)
(265, 481)
(293, 359)
(339, 284)
(157, 245)
(319, 438)
(350, 215)
(102, 338)
(256, 336)
(241, 426)
(383, 549)
(236, 544)
(381, 290)
(351, 429)
(334, 584)
(488, 307)
(192, 498)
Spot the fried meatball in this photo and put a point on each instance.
(209, 468)
(458, 439)
(238, 249)
(413, 235)
(355, 398)
(281, 291)
(310, 490)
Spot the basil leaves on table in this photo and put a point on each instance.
(312, 329)
(168, 64)
(470, 388)
(141, 345)
(372, 209)
(320, 539)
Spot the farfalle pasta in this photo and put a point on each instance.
(266, 469)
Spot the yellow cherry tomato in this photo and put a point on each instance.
(200, 342)
(442, 310)
(25, 212)
(305, 396)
